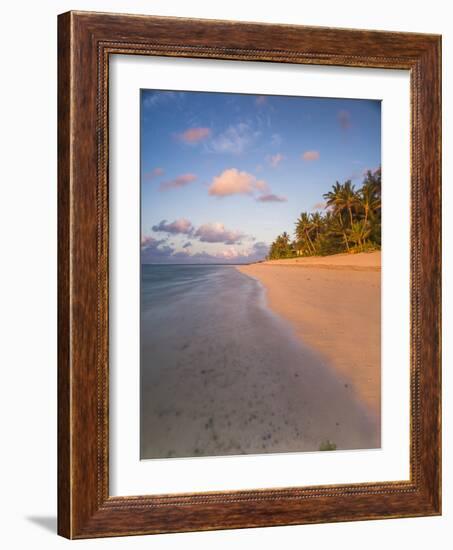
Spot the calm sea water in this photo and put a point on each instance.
(169, 286)
(221, 374)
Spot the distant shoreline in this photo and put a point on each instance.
(334, 307)
(365, 261)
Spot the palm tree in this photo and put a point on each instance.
(349, 198)
(369, 198)
(342, 197)
(333, 197)
(351, 218)
(358, 233)
(316, 223)
(281, 247)
(285, 237)
(303, 229)
(338, 227)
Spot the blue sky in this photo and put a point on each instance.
(223, 174)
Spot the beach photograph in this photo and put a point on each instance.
(260, 291)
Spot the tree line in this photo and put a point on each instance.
(351, 222)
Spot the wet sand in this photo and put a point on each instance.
(223, 375)
(333, 303)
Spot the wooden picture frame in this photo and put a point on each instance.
(85, 42)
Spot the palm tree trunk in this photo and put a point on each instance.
(346, 241)
(310, 241)
(344, 232)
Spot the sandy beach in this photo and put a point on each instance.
(333, 305)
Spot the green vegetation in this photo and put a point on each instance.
(351, 223)
(328, 446)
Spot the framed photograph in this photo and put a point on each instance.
(249, 275)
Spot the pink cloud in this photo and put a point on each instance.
(181, 226)
(274, 160)
(217, 233)
(271, 198)
(155, 173)
(311, 155)
(319, 206)
(147, 241)
(344, 119)
(179, 181)
(194, 135)
(234, 182)
(229, 254)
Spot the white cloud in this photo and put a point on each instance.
(275, 160)
(155, 98)
(276, 140)
(235, 139)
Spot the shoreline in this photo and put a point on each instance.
(364, 261)
(333, 305)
